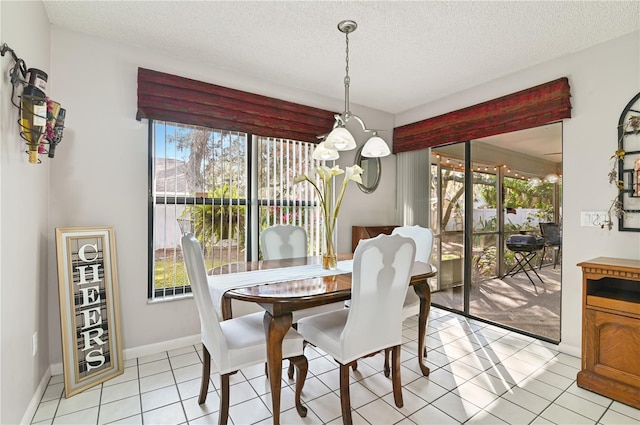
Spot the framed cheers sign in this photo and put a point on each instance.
(89, 315)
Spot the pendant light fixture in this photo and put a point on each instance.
(340, 139)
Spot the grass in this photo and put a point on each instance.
(166, 270)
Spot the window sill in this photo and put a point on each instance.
(170, 298)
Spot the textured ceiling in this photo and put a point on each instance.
(403, 54)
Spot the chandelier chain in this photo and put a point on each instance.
(347, 80)
(347, 60)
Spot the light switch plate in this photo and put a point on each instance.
(593, 218)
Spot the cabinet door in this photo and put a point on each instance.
(613, 344)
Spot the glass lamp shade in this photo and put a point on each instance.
(375, 148)
(324, 153)
(340, 139)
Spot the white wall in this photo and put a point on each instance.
(603, 79)
(102, 165)
(24, 230)
(99, 176)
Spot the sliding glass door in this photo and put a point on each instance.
(484, 192)
(448, 188)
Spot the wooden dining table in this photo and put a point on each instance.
(280, 299)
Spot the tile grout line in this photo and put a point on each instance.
(100, 402)
(139, 390)
(447, 334)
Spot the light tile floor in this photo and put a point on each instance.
(480, 374)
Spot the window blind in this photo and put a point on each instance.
(528, 108)
(166, 97)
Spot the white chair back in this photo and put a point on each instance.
(423, 238)
(381, 274)
(283, 241)
(211, 332)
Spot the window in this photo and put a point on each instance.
(225, 187)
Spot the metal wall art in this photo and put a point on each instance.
(625, 173)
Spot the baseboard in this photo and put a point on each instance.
(570, 349)
(37, 396)
(144, 350)
(158, 347)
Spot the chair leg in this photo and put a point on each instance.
(206, 370)
(387, 371)
(290, 370)
(555, 257)
(304, 345)
(302, 366)
(544, 250)
(224, 399)
(395, 378)
(345, 397)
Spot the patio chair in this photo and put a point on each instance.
(552, 240)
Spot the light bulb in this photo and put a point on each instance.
(534, 181)
(551, 178)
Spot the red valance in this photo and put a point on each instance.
(517, 111)
(167, 97)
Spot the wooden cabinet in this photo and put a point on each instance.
(611, 329)
(366, 232)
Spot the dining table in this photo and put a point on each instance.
(284, 286)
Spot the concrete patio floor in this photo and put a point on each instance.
(513, 301)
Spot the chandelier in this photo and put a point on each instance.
(340, 139)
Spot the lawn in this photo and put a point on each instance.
(169, 268)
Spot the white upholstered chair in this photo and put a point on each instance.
(381, 274)
(288, 241)
(423, 238)
(233, 343)
(283, 241)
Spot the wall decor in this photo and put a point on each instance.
(89, 312)
(625, 173)
(41, 119)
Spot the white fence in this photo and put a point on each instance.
(517, 217)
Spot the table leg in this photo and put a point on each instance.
(226, 308)
(424, 293)
(275, 329)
